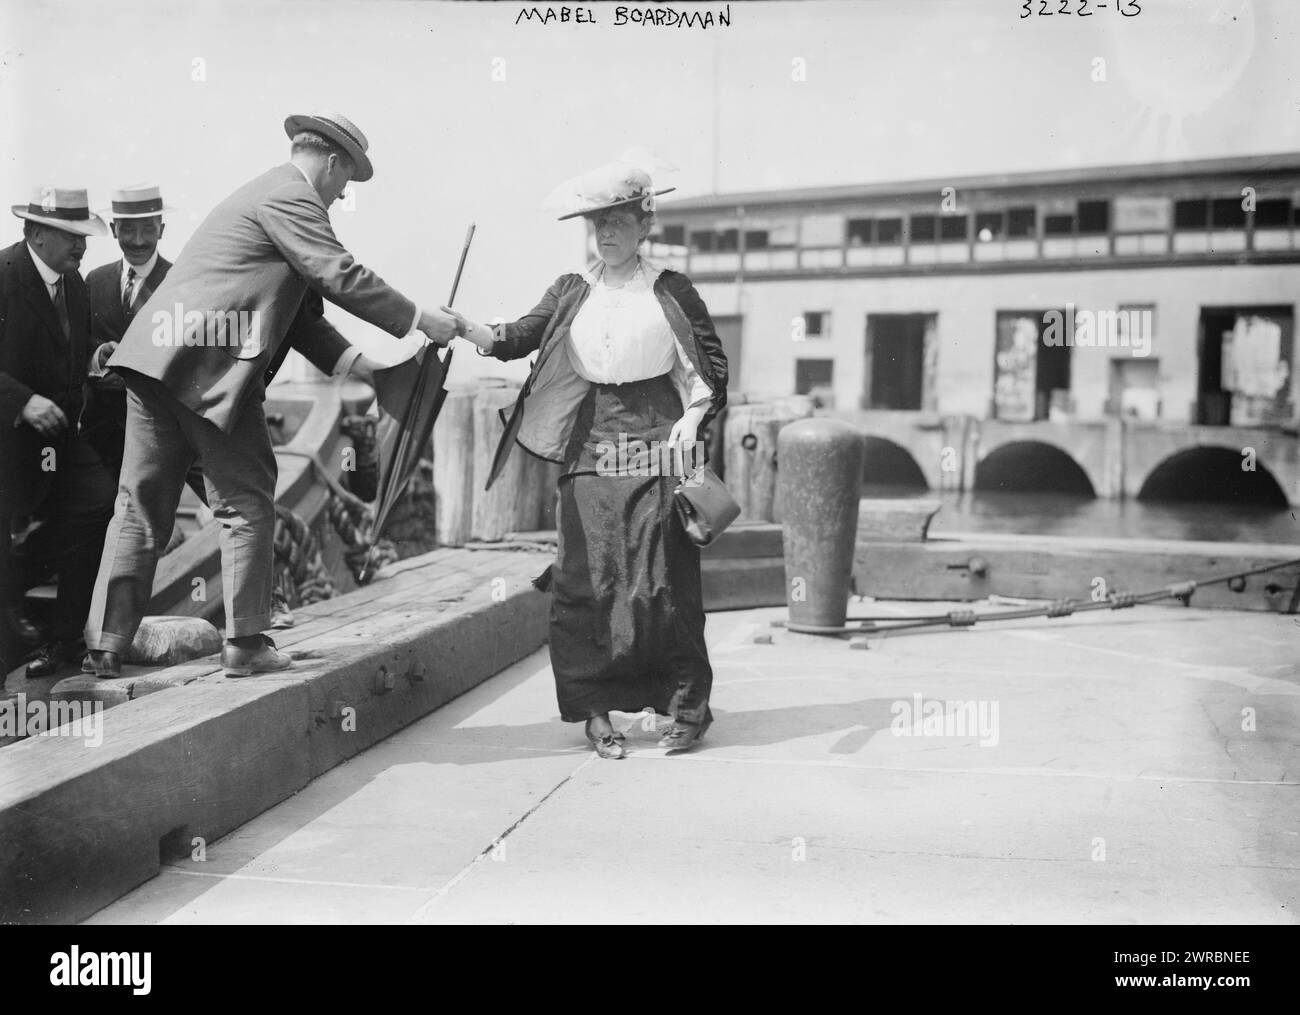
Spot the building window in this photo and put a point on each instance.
(813, 377)
(673, 236)
(1058, 225)
(952, 228)
(858, 232)
(1094, 217)
(990, 226)
(1022, 222)
(1273, 213)
(1191, 216)
(703, 242)
(1227, 213)
(924, 228)
(817, 324)
(889, 232)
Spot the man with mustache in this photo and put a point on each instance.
(48, 466)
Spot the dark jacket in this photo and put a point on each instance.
(544, 414)
(108, 319)
(35, 358)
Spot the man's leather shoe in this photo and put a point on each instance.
(281, 615)
(52, 657)
(24, 630)
(682, 736)
(102, 664)
(248, 662)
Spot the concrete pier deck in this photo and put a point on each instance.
(1138, 767)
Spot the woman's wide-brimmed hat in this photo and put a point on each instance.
(339, 129)
(62, 208)
(138, 201)
(611, 185)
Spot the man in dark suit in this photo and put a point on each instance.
(195, 362)
(48, 466)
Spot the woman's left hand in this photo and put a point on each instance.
(686, 430)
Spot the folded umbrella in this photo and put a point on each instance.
(410, 396)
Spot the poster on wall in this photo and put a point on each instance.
(1017, 361)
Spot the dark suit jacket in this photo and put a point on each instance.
(108, 321)
(259, 250)
(35, 358)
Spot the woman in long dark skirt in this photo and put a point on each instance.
(628, 374)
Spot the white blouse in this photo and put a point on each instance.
(620, 335)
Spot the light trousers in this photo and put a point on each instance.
(163, 440)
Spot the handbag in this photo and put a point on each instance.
(704, 505)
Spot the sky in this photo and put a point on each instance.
(474, 117)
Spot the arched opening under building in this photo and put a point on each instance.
(1214, 475)
(1023, 466)
(887, 464)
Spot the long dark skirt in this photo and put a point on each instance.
(627, 614)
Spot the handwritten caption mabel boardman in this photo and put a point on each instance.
(658, 17)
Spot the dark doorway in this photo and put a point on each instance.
(728, 330)
(1214, 400)
(895, 361)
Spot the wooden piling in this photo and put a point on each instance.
(750, 453)
(512, 504)
(453, 467)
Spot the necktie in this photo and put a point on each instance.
(128, 294)
(61, 308)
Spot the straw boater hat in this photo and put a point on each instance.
(61, 208)
(626, 181)
(339, 129)
(138, 201)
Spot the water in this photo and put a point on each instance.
(1054, 514)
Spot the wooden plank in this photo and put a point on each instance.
(733, 583)
(891, 521)
(750, 540)
(353, 616)
(1052, 568)
(79, 827)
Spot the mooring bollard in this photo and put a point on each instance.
(820, 480)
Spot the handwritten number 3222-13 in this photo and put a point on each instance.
(1128, 8)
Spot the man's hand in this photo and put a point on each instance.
(99, 357)
(480, 334)
(439, 327)
(44, 416)
(363, 369)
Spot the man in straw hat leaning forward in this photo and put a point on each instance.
(196, 360)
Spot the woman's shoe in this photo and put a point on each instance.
(609, 746)
(682, 736)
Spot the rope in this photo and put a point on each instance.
(1181, 591)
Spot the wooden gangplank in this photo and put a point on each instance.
(81, 825)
